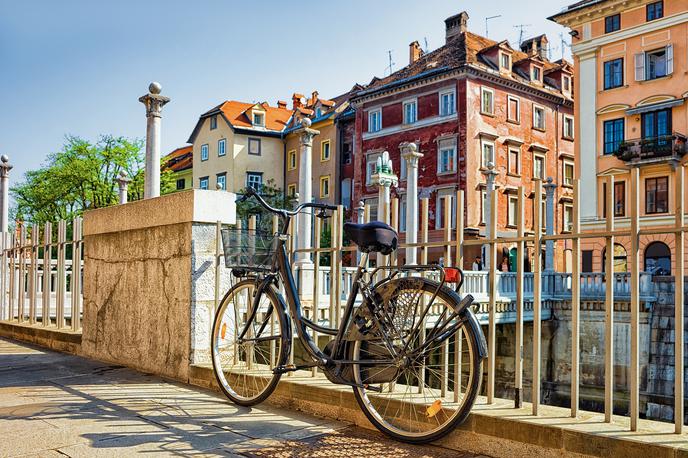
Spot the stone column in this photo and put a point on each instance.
(384, 178)
(123, 181)
(550, 187)
(154, 103)
(360, 219)
(5, 168)
(304, 235)
(409, 153)
(490, 175)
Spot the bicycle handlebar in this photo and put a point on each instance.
(250, 192)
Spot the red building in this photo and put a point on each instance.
(468, 103)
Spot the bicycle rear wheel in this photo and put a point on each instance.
(247, 344)
(418, 396)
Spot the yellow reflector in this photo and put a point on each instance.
(434, 408)
(223, 331)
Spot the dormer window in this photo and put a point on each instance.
(505, 62)
(566, 83)
(535, 74)
(258, 119)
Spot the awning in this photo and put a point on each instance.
(655, 107)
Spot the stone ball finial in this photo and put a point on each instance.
(412, 147)
(155, 87)
(306, 122)
(4, 158)
(361, 205)
(218, 186)
(123, 173)
(549, 180)
(490, 166)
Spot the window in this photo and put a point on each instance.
(204, 152)
(568, 173)
(181, 184)
(291, 190)
(254, 180)
(568, 127)
(514, 161)
(483, 206)
(567, 216)
(324, 187)
(538, 117)
(539, 167)
(213, 122)
(654, 11)
(613, 73)
(371, 164)
(222, 181)
(505, 61)
(254, 146)
(258, 119)
(203, 183)
(658, 259)
(566, 83)
(443, 196)
(488, 150)
(658, 63)
(446, 159)
(487, 101)
(656, 124)
(535, 73)
(291, 161)
(410, 112)
(512, 211)
(402, 213)
(586, 261)
(543, 214)
(221, 147)
(620, 259)
(325, 151)
(346, 153)
(514, 109)
(447, 103)
(613, 135)
(619, 199)
(657, 195)
(612, 23)
(375, 120)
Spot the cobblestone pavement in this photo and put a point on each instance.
(52, 404)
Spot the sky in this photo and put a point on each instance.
(78, 67)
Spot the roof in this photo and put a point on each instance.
(575, 7)
(180, 159)
(464, 49)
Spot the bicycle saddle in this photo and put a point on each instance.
(372, 237)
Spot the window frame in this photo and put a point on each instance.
(260, 146)
(322, 150)
(648, 68)
(656, 179)
(610, 25)
(653, 7)
(377, 112)
(291, 154)
(261, 116)
(205, 180)
(291, 190)
(409, 103)
(511, 198)
(451, 145)
(570, 135)
(608, 64)
(217, 180)
(536, 69)
(509, 99)
(205, 152)
(483, 143)
(566, 226)
(371, 158)
(250, 174)
(183, 183)
(605, 143)
(544, 118)
(502, 56)
(443, 194)
(569, 83)
(570, 165)
(222, 147)
(325, 179)
(536, 157)
(509, 150)
(213, 122)
(491, 109)
(452, 110)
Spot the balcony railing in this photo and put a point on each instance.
(651, 149)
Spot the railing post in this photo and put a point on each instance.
(34, 273)
(45, 294)
(492, 323)
(575, 301)
(76, 273)
(4, 314)
(678, 300)
(458, 340)
(520, 252)
(22, 274)
(609, 307)
(537, 295)
(635, 298)
(316, 277)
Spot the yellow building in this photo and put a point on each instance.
(239, 144)
(180, 162)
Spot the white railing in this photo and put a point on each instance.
(41, 275)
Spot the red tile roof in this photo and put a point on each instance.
(179, 159)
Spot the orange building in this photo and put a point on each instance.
(630, 84)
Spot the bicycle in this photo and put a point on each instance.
(412, 349)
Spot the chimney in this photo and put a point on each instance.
(414, 52)
(282, 104)
(296, 101)
(456, 25)
(537, 46)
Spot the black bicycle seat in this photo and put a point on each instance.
(373, 237)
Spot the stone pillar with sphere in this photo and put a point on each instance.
(384, 178)
(409, 153)
(154, 103)
(550, 188)
(5, 168)
(490, 176)
(123, 181)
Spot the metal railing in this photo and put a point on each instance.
(41, 275)
(652, 148)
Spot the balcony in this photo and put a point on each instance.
(653, 149)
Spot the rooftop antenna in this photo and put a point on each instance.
(391, 63)
(522, 29)
(487, 33)
(564, 44)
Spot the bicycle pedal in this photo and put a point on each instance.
(284, 369)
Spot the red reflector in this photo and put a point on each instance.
(452, 275)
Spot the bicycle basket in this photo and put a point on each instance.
(248, 249)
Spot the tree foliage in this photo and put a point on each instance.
(274, 196)
(81, 177)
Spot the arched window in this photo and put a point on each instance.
(620, 259)
(658, 259)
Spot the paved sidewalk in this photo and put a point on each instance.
(53, 404)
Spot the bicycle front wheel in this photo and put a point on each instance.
(413, 386)
(247, 343)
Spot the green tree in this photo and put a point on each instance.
(274, 196)
(80, 177)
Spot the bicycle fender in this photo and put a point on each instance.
(470, 320)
